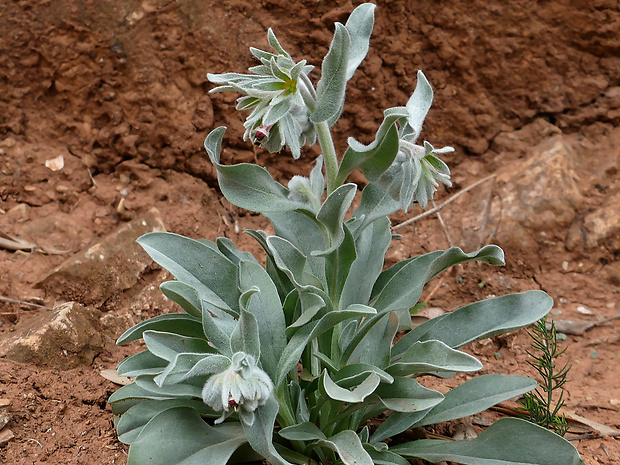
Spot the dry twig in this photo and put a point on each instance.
(22, 302)
(442, 205)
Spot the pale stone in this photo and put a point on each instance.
(67, 337)
(531, 198)
(114, 325)
(107, 268)
(598, 227)
(5, 436)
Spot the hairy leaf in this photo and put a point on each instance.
(509, 441)
(180, 436)
(480, 320)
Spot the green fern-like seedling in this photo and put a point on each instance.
(538, 404)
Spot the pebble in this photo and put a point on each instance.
(5, 436)
(4, 419)
(584, 310)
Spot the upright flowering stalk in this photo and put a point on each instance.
(280, 96)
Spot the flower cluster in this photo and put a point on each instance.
(241, 388)
(416, 171)
(278, 92)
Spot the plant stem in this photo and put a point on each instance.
(329, 155)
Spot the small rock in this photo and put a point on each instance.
(67, 337)
(4, 403)
(584, 310)
(55, 164)
(531, 197)
(601, 226)
(114, 325)
(464, 431)
(18, 214)
(538, 194)
(573, 327)
(613, 273)
(105, 269)
(4, 419)
(5, 436)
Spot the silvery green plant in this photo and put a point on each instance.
(289, 361)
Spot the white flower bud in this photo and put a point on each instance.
(241, 388)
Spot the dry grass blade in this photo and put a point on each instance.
(22, 302)
(14, 243)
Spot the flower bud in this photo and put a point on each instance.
(241, 388)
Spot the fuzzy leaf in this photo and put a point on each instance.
(331, 88)
(267, 310)
(214, 329)
(375, 204)
(180, 436)
(133, 421)
(371, 343)
(370, 248)
(288, 258)
(407, 395)
(509, 441)
(245, 335)
(359, 25)
(179, 323)
(260, 433)
(302, 432)
(230, 250)
(404, 287)
(184, 295)
(305, 334)
(182, 364)
(142, 363)
(373, 162)
(130, 395)
(208, 271)
(331, 216)
(479, 320)
(385, 457)
(246, 185)
(431, 357)
(168, 345)
(358, 394)
(148, 383)
(338, 265)
(304, 233)
(477, 395)
(349, 448)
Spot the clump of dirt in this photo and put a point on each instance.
(118, 89)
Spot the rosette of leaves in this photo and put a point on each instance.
(287, 361)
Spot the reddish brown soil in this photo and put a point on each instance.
(118, 88)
